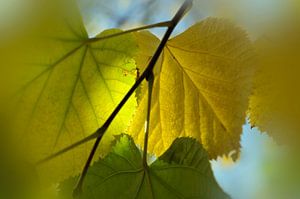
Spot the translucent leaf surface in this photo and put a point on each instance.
(201, 89)
(274, 105)
(68, 86)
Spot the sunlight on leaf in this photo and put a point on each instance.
(68, 86)
(201, 89)
(274, 105)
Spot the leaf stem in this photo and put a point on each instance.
(156, 25)
(147, 122)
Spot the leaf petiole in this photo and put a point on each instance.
(150, 80)
(156, 25)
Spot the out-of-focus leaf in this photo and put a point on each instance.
(274, 105)
(68, 84)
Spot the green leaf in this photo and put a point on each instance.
(69, 85)
(183, 171)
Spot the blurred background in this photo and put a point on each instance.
(259, 172)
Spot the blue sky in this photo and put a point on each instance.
(247, 177)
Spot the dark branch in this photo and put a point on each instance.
(147, 74)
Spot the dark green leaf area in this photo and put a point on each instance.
(183, 171)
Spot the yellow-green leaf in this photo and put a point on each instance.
(274, 105)
(70, 84)
(201, 89)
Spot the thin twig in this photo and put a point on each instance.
(147, 122)
(156, 25)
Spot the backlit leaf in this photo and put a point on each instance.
(201, 89)
(69, 85)
(274, 105)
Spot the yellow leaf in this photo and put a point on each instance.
(274, 105)
(68, 86)
(201, 89)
